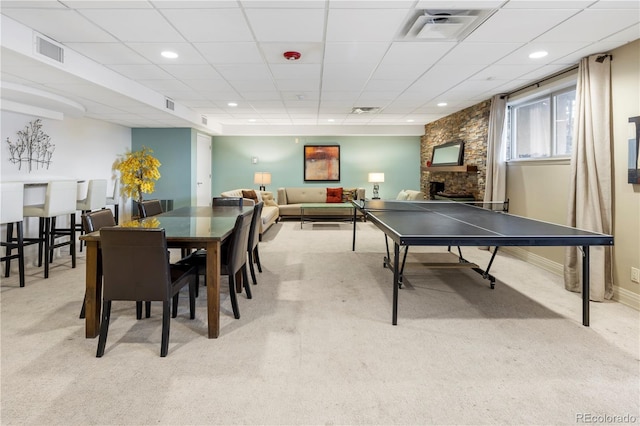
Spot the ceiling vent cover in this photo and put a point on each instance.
(49, 48)
(444, 25)
(364, 110)
(204, 119)
(169, 104)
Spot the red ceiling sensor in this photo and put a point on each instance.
(292, 56)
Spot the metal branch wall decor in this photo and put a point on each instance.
(33, 147)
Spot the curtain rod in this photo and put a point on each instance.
(537, 83)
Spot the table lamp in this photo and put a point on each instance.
(376, 178)
(262, 179)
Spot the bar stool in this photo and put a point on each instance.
(114, 199)
(12, 201)
(60, 200)
(96, 199)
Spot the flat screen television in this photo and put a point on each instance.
(448, 154)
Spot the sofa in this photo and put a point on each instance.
(290, 199)
(270, 211)
(411, 195)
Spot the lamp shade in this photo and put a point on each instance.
(262, 178)
(376, 177)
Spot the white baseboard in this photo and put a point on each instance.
(621, 295)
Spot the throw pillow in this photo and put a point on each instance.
(349, 194)
(334, 195)
(250, 194)
(269, 200)
(402, 195)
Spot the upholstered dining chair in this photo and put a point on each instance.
(12, 201)
(92, 222)
(227, 201)
(136, 267)
(233, 259)
(254, 239)
(149, 208)
(60, 200)
(96, 199)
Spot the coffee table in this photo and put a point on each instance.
(315, 206)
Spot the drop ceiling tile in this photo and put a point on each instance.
(625, 36)
(194, 4)
(108, 53)
(142, 72)
(187, 53)
(295, 71)
(478, 53)
(230, 53)
(243, 72)
(376, 85)
(592, 25)
(504, 71)
(461, 4)
(286, 25)
(417, 52)
(373, 25)
(126, 24)
(244, 86)
(518, 25)
(103, 4)
(556, 52)
(354, 52)
(311, 53)
(191, 72)
(61, 25)
(298, 85)
(616, 4)
(547, 4)
(206, 25)
(405, 73)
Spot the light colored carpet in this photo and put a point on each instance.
(316, 346)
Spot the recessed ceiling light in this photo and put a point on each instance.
(410, 120)
(232, 104)
(441, 104)
(539, 54)
(252, 120)
(330, 120)
(169, 54)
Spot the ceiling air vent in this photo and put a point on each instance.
(445, 25)
(203, 119)
(49, 48)
(364, 110)
(169, 104)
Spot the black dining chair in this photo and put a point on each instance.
(149, 208)
(254, 239)
(136, 267)
(233, 259)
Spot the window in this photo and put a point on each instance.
(542, 127)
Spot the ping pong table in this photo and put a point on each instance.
(450, 223)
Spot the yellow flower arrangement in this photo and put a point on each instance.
(138, 171)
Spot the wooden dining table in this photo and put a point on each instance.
(186, 227)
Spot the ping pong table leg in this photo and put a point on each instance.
(585, 286)
(396, 279)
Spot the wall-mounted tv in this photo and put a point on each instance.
(448, 154)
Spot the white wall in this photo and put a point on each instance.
(84, 149)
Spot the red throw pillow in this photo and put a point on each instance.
(334, 195)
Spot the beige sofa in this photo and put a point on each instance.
(410, 194)
(270, 210)
(290, 199)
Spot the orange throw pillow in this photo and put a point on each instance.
(334, 195)
(250, 194)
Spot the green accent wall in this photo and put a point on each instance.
(175, 149)
(398, 157)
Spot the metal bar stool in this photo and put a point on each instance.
(114, 199)
(60, 200)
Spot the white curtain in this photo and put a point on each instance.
(495, 184)
(590, 194)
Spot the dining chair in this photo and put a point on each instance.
(136, 267)
(149, 208)
(60, 200)
(12, 201)
(96, 199)
(227, 201)
(113, 199)
(92, 222)
(254, 239)
(233, 259)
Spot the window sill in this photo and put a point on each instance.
(539, 162)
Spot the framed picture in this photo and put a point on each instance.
(322, 163)
(634, 150)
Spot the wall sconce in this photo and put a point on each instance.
(262, 179)
(376, 178)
